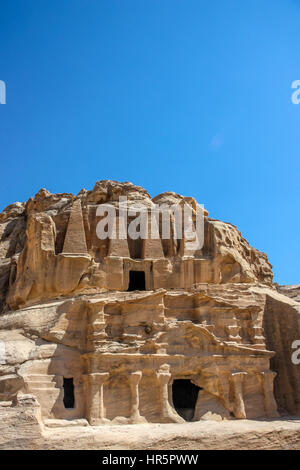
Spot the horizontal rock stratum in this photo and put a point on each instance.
(124, 331)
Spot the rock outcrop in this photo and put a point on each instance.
(290, 291)
(122, 330)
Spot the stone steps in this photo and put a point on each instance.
(40, 382)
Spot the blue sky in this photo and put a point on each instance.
(189, 96)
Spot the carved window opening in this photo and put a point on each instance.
(185, 395)
(137, 280)
(69, 399)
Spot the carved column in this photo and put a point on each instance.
(167, 414)
(94, 397)
(224, 391)
(266, 380)
(134, 380)
(239, 406)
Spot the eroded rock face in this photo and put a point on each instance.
(130, 331)
(290, 291)
(49, 247)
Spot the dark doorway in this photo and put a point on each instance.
(137, 280)
(185, 395)
(69, 393)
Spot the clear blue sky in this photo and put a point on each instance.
(191, 96)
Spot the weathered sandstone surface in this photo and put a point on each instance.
(203, 335)
(290, 291)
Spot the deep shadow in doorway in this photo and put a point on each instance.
(185, 395)
(137, 280)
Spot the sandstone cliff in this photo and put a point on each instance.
(35, 265)
(78, 341)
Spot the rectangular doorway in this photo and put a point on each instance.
(69, 399)
(137, 280)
